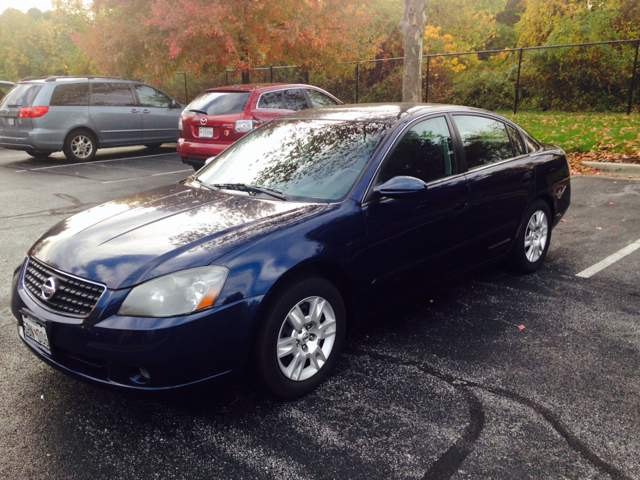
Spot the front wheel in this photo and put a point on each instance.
(80, 146)
(533, 239)
(300, 338)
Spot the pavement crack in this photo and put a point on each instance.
(449, 462)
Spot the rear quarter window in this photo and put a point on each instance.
(73, 94)
(22, 95)
(220, 103)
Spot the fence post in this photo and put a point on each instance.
(186, 94)
(426, 81)
(357, 65)
(633, 78)
(515, 102)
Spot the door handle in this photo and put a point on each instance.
(460, 206)
(135, 110)
(146, 111)
(526, 178)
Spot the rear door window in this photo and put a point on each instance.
(112, 94)
(485, 140)
(319, 99)
(70, 94)
(22, 95)
(219, 103)
(295, 100)
(271, 100)
(515, 139)
(150, 97)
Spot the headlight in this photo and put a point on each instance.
(244, 126)
(175, 294)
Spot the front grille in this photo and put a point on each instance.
(74, 296)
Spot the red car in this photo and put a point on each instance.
(219, 116)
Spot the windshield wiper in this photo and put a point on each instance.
(198, 111)
(251, 189)
(194, 179)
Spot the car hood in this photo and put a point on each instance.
(124, 242)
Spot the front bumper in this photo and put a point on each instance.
(110, 350)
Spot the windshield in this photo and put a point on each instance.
(308, 159)
(22, 95)
(219, 103)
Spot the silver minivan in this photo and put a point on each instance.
(78, 115)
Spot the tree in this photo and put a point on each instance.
(157, 37)
(412, 28)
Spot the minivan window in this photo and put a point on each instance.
(150, 97)
(22, 95)
(70, 94)
(219, 103)
(111, 94)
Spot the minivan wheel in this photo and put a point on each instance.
(80, 146)
(533, 239)
(300, 338)
(38, 153)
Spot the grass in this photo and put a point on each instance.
(609, 133)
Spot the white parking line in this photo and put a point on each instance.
(92, 163)
(147, 176)
(592, 270)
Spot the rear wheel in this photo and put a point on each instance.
(80, 146)
(533, 239)
(300, 338)
(39, 153)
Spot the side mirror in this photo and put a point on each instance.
(401, 187)
(176, 104)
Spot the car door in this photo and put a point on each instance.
(115, 114)
(159, 117)
(501, 183)
(414, 242)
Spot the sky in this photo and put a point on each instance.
(25, 5)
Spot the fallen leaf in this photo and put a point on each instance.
(521, 327)
(598, 228)
(613, 226)
(430, 301)
(562, 220)
(610, 203)
(615, 182)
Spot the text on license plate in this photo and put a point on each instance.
(206, 132)
(11, 121)
(35, 334)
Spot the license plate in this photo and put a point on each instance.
(36, 335)
(206, 132)
(11, 121)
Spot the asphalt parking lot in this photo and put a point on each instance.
(497, 375)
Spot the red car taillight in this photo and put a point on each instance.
(32, 112)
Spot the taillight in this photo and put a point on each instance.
(32, 112)
(180, 127)
(244, 126)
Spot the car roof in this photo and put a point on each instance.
(263, 87)
(71, 78)
(376, 112)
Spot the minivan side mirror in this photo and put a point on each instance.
(401, 187)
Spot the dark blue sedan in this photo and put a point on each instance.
(260, 262)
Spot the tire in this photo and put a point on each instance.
(296, 350)
(38, 153)
(80, 146)
(533, 238)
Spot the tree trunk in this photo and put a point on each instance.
(412, 28)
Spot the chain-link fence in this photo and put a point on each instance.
(597, 76)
